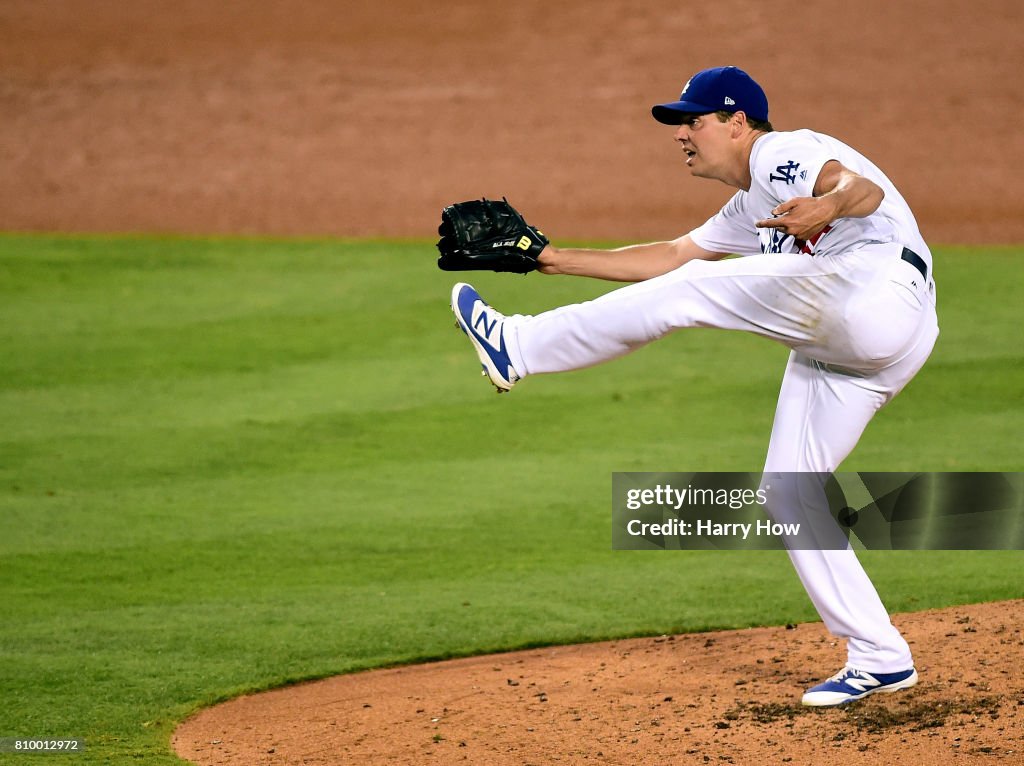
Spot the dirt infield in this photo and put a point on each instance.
(364, 118)
(702, 698)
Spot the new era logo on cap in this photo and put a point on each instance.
(725, 88)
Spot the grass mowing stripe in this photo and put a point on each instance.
(226, 464)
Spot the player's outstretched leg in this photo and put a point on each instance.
(485, 329)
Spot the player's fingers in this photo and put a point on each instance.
(772, 223)
(784, 207)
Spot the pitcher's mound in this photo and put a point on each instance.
(726, 697)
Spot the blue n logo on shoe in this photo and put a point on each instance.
(482, 319)
(486, 326)
(860, 681)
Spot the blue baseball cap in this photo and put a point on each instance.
(722, 89)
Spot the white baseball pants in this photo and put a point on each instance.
(860, 326)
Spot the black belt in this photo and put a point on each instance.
(916, 261)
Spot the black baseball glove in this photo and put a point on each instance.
(486, 235)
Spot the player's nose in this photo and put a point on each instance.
(682, 133)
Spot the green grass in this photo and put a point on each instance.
(228, 464)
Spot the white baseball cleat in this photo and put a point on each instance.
(850, 684)
(485, 329)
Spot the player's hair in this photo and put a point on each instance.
(763, 125)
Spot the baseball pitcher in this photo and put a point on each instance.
(834, 268)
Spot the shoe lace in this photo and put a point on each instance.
(845, 673)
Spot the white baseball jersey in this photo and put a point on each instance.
(785, 165)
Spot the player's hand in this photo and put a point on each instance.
(803, 217)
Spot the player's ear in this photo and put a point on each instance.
(738, 121)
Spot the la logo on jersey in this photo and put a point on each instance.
(787, 173)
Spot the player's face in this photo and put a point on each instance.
(705, 140)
